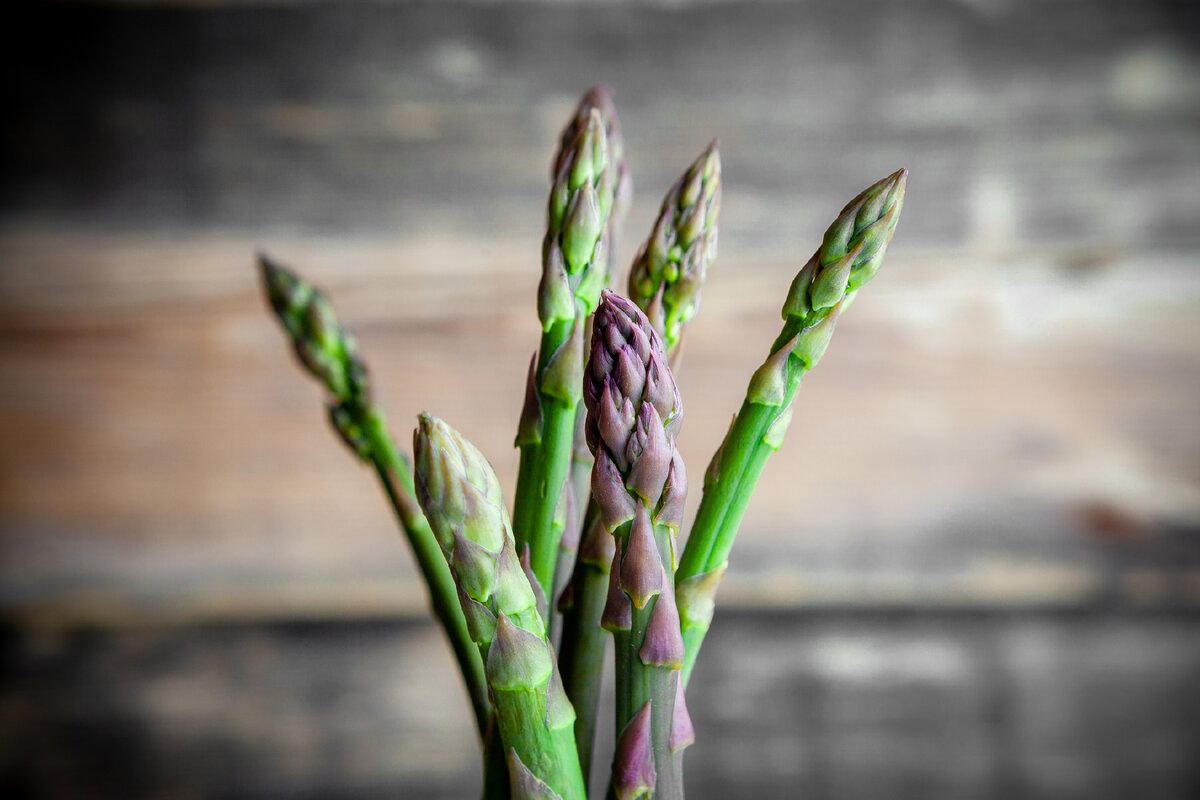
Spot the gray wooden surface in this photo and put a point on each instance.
(981, 541)
(891, 705)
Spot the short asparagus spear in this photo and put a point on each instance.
(574, 255)
(461, 497)
(850, 254)
(638, 482)
(329, 353)
(670, 267)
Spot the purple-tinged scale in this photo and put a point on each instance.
(642, 574)
(682, 731)
(618, 612)
(663, 645)
(608, 489)
(650, 467)
(633, 762)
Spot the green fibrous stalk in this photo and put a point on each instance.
(671, 265)
(850, 254)
(584, 642)
(329, 353)
(574, 270)
(461, 497)
(639, 485)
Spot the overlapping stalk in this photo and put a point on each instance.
(850, 254)
(574, 270)
(639, 485)
(329, 353)
(461, 497)
(665, 283)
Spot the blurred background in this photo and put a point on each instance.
(973, 571)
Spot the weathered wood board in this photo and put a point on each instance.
(1007, 415)
(823, 706)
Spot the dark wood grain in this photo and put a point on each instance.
(827, 706)
(1007, 414)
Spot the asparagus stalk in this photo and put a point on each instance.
(584, 641)
(850, 254)
(638, 482)
(574, 254)
(600, 99)
(665, 283)
(461, 497)
(329, 353)
(670, 267)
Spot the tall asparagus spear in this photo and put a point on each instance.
(638, 482)
(665, 283)
(849, 256)
(329, 353)
(670, 267)
(461, 497)
(574, 255)
(598, 98)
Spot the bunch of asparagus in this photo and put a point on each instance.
(591, 553)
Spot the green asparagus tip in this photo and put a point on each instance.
(325, 349)
(671, 265)
(457, 487)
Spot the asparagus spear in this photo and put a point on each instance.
(665, 283)
(329, 353)
(600, 99)
(574, 254)
(638, 482)
(670, 267)
(849, 256)
(461, 497)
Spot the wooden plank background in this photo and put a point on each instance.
(1008, 415)
(975, 564)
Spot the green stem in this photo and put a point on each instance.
(580, 478)
(638, 682)
(726, 495)
(545, 463)
(584, 642)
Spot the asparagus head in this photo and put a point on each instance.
(461, 496)
(639, 485)
(600, 100)
(670, 267)
(325, 349)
